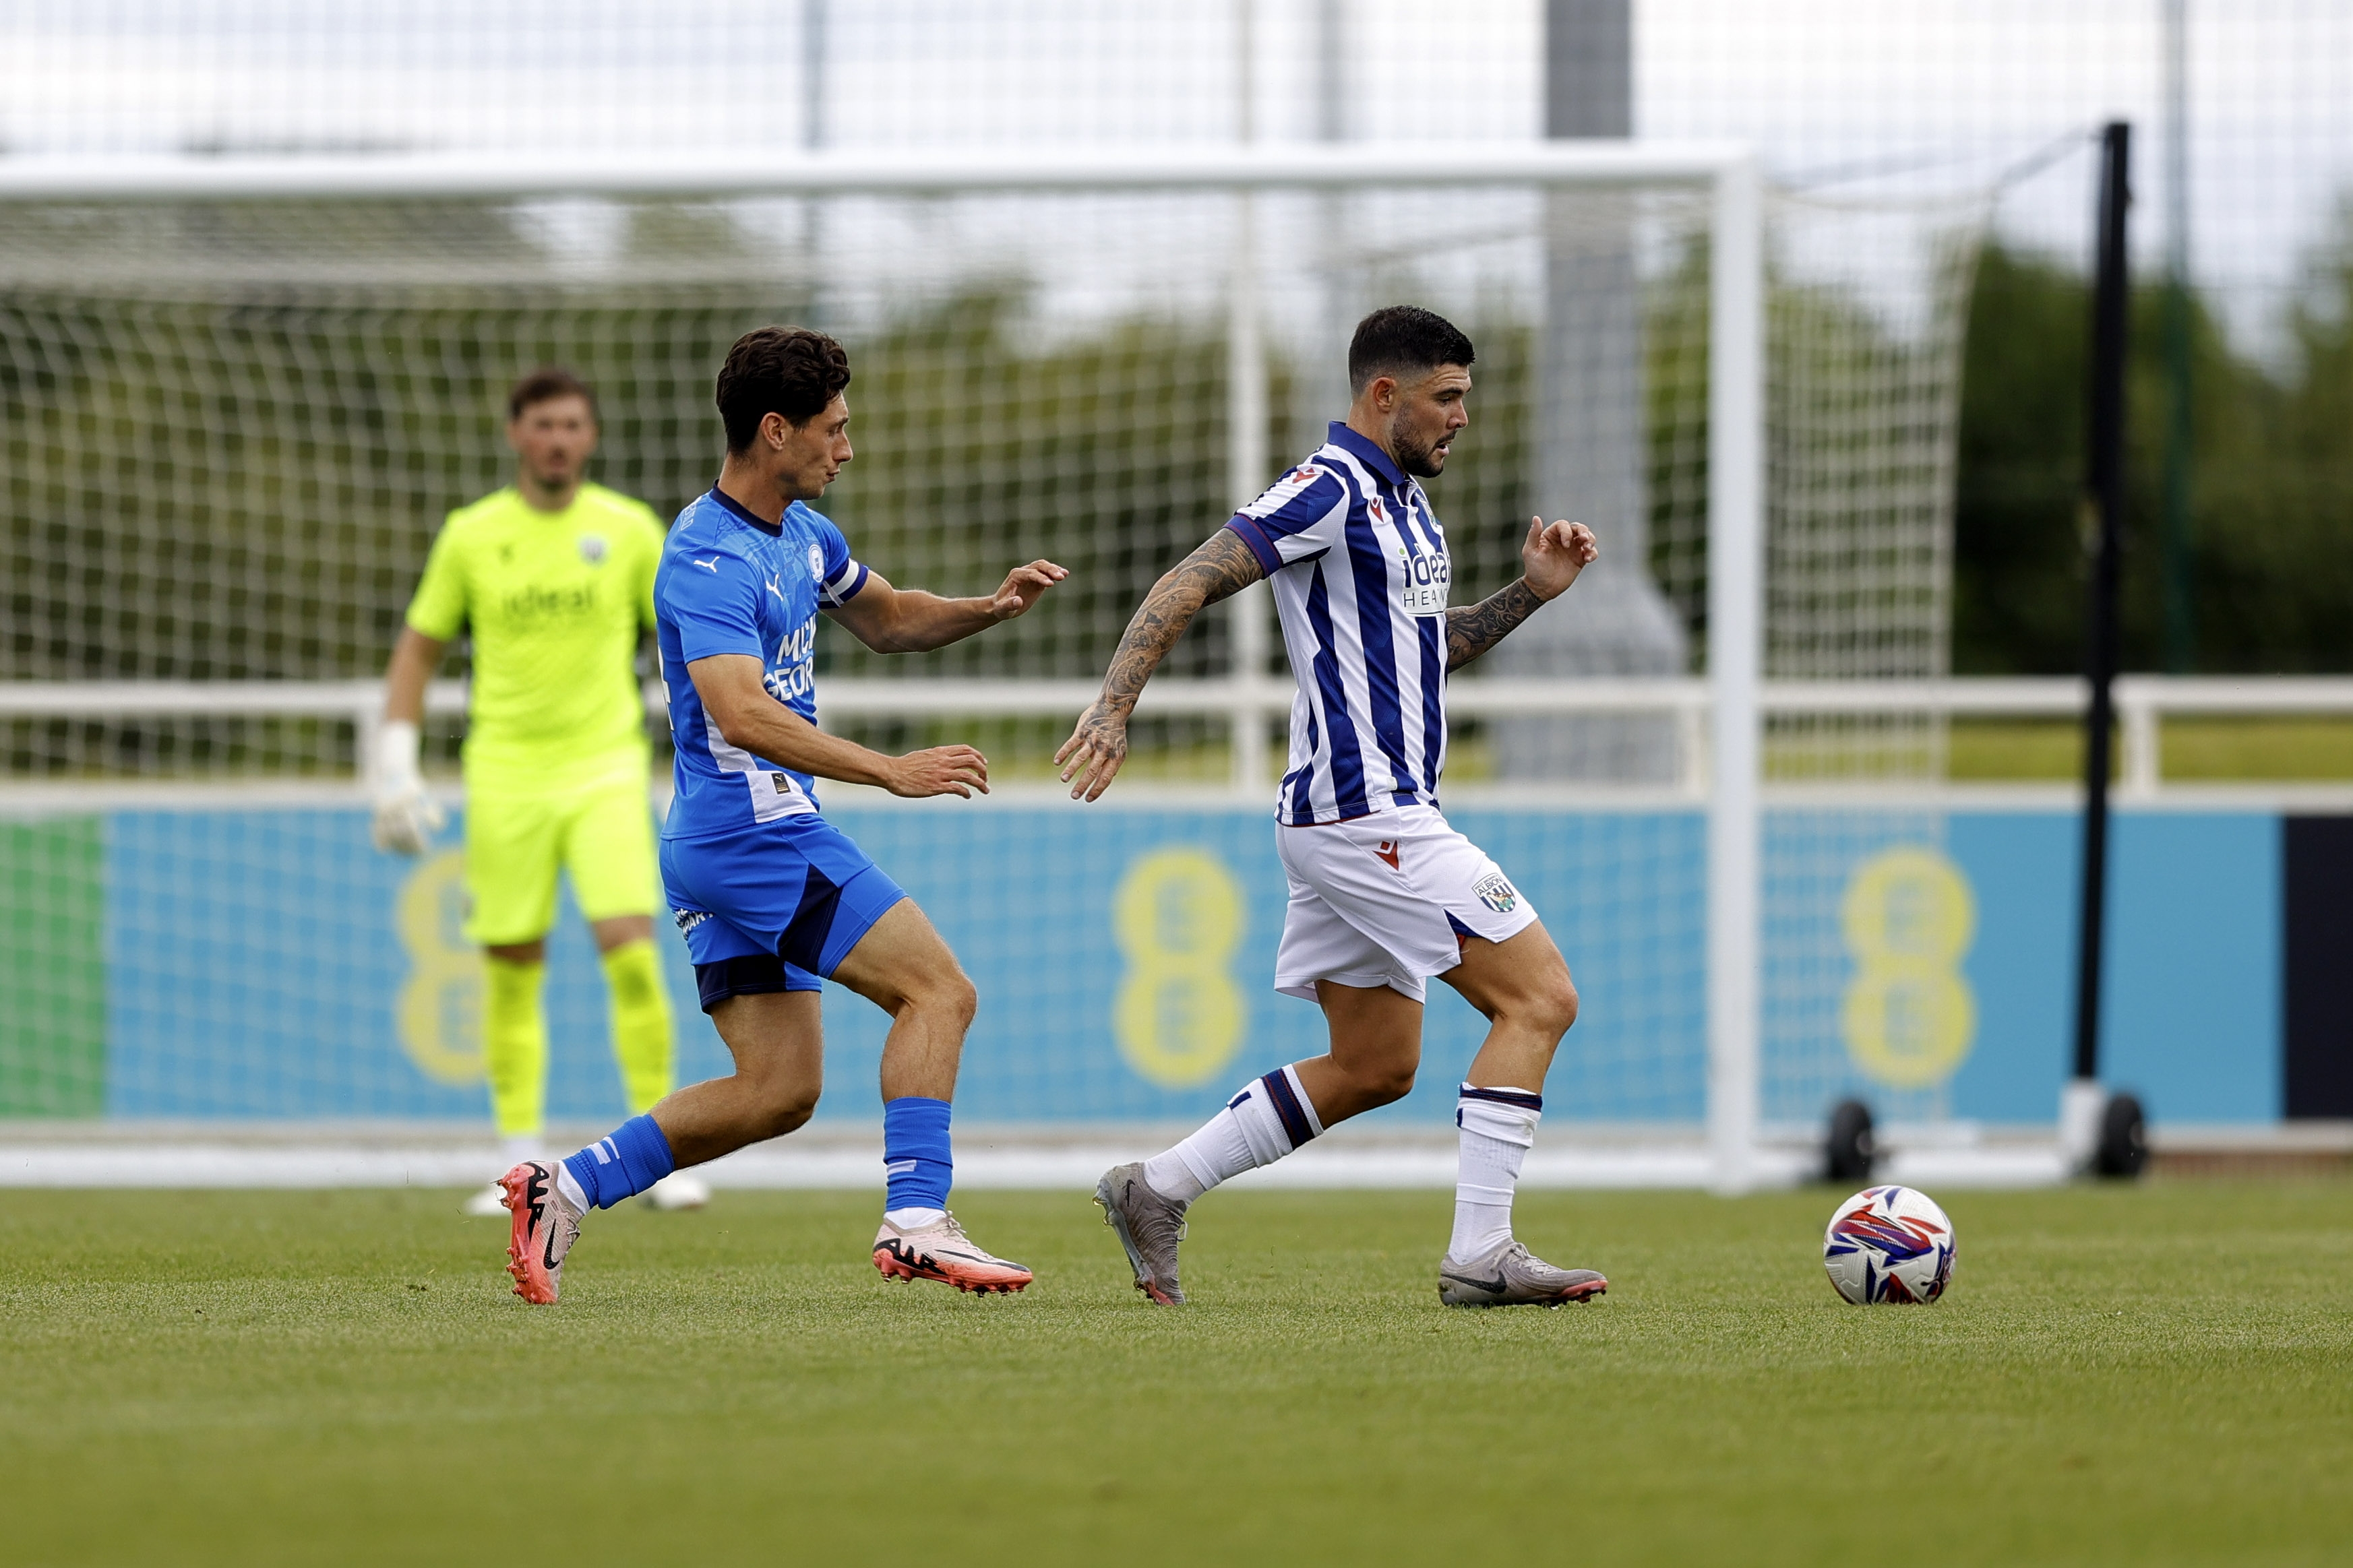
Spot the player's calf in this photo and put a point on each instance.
(1376, 1050)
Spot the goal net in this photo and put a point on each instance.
(238, 405)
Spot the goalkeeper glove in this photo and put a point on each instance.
(406, 817)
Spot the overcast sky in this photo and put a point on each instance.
(1947, 92)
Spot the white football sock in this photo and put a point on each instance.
(515, 1151)
(1268, 1118)
(1499, 1127)
(913, 1219)
(569, 1185)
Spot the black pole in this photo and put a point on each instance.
(2104, 495)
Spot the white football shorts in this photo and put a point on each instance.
(1387, 899)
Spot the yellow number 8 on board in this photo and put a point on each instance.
(441, 1005)
(1909, 918)
(1179, 918)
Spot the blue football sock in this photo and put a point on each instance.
(626, 1164)
(916, 1155)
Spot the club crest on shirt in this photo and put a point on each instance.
(817, 564)
(592, 550)
(1497, 893)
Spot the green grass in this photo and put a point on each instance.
(2149, 1375)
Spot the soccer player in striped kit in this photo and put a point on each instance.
(1384, 893)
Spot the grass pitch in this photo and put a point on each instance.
(2157, 1375)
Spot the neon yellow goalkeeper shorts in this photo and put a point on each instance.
(601, 833)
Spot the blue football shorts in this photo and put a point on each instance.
(773, 905)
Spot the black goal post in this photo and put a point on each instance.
(2118, 1149)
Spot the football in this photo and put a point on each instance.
(1889, 1244)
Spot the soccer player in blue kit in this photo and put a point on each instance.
(771, 896)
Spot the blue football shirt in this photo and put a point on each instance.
(729, 583)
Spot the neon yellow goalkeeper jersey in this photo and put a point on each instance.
(557, 603)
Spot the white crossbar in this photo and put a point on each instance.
(928, 172)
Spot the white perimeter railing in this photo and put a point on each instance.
(2142, 703)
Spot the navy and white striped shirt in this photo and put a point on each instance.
(1360, 574)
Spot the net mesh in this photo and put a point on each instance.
(1862, 989)
(310, 388)
(235, 426)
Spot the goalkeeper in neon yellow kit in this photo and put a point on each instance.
(554, 579)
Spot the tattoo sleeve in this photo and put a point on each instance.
(1221, 567)
(1474, 628)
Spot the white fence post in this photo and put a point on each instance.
(2136, 708)
(1690, 751)
(368, 731)
(1735, 629)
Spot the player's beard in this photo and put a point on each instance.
(1419, 459)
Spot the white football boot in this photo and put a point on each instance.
(942, 1251)
(545, 1227)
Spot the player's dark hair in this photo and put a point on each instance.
(790, 371)
(545, 385)
(1404, 340)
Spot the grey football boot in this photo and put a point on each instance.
(1149, 1227)
(1511, 1276)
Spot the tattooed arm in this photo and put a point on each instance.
(1553, 557)
(1221, 567)
(1473, 629)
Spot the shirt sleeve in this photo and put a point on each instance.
(844, 575)
(1299, 518)
(713, 598)
(438, 610)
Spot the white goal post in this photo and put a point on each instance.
(1725, 697)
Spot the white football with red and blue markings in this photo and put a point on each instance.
(1889, 1244)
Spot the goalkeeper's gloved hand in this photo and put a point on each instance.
(406, 817)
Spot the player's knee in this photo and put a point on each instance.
(944, 998)
(951, 998)
(1553, 1008)
(1380, 1082)
(787, 1110)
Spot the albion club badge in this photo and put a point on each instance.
(1497, 893)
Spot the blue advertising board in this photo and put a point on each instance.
(269, 964)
